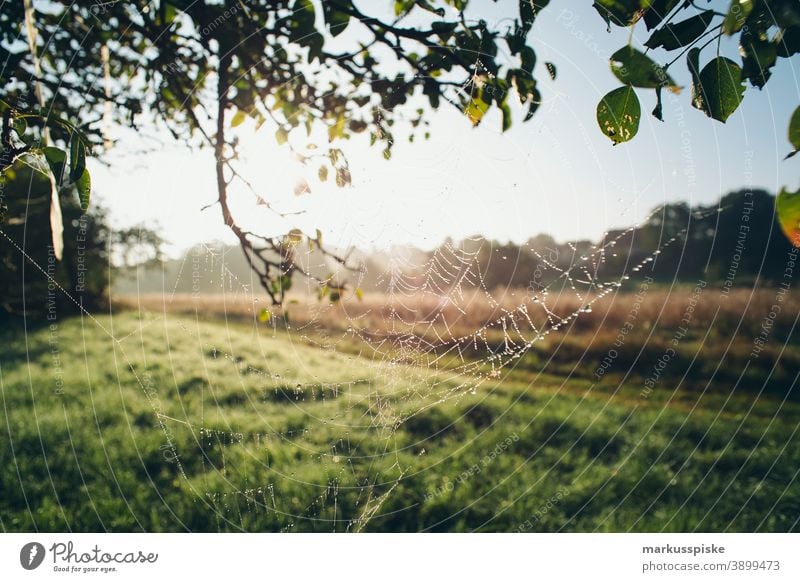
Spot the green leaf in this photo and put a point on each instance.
(720, 89)
(84, 186)
(528, 59)
(693, 64)
(303, 30)
(444, 30)
(402, 6)
(337, 130)
(528, 11)
(787, 208)
(425, 5)
(496, 90)
(658, 11)
(524, 84)
(536, 101)
(635, 68)
(658, 110)
(794, 132)
(295, 236)
(281, 136)
(238, 118)
(620, 12)
(170, 12)
(56, 159)
(618, 114)
(782, 13)
(737, 16)
(336, 19)
(788, 41)
(758, 57)
(506, 111)
(19, 125)
(476, 109)
(526, 14)
(683, 33)
(281, 285)
(77, 158)
(264, 316)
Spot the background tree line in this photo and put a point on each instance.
(734, 243)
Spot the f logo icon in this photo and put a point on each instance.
(31, 555)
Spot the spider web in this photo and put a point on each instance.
(418, 358)
(350, 457)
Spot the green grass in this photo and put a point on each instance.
(274, 435)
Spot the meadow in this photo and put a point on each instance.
(188, 413)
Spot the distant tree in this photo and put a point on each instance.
(92, 251)
(26, 244)
(201, 68)
(735, 247)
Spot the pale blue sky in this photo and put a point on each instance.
(556, 174)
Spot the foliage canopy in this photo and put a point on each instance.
(202, 68)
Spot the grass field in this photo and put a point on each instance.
(163, 421)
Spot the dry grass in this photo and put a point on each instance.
(713, 335)
(741, 311)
